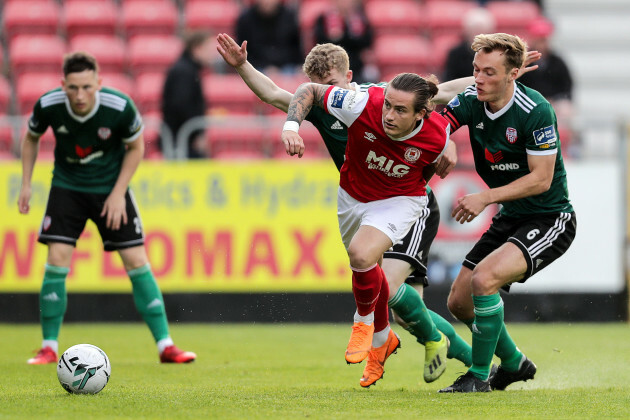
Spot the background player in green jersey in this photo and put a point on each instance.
(516, 147)
(404, 265)
(99, 145)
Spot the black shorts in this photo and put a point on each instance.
(542, 238)
(67, 212)
(414, 248)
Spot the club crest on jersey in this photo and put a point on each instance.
(510, 134)
(104, 133)
(412, 154)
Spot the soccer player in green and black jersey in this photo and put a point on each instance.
(99, 145)
(516, 147)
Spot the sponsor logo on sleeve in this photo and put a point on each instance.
(454, 103)
(338, 96)
(545, 136)
(136, 124)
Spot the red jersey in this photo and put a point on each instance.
(377, 166)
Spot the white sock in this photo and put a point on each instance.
(53, 344)
(380, 337)
(367, 319)
(164, 343)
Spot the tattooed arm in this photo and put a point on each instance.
(307, 95)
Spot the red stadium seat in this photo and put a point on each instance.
(110, 51)
(32, 17)
(211, 15)
(118, 81)
(148, 17)
(89, 17)
(152, 122)
(446, 17)
(5, 95)
(513, 17)
(242, 139)
(403, 53)
(308, 13)
(30, 86)
(7, 146)
(153, 53)
(396, 17)
(441, 45)
(228, 92)
(148, 92)
(36, 53)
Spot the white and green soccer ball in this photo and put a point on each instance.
(83, 369)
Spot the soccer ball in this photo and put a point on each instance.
(83, 369)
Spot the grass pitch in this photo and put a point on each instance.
(291, 371)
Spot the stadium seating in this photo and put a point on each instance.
(33, 17)
(308, 12)
(211, 15)
(228, 92)
(315, 148)
(403, 53)
(148, 92)
(244, 139)
(395, 17)
(151, 134)
(446, 17)
(30, 86)
(153, 53)
(90, 17)
(119, 81)
(5, 95)
(36, 53)
(6, 142)
(109, 50)
(148, 17)
(513, 17)
(440, 47)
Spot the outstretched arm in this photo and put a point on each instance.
(260, 84)
(448, 90)
(307, 95)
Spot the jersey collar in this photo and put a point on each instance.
(84, 118)
(495, 115)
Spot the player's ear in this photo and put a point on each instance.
(349, 76)
(421, 114)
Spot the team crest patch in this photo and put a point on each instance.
(510, 134)
(104, 133)
(46, 223)
(545, 136)
(412, 154)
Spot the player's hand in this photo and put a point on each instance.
(115, 211)
(532, 56)
(230, 51)
(293, 143)
(468, 207)
(24, 199)
(447, 161)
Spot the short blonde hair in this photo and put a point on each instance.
(513, 47)
(323, 58)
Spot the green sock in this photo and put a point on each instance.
(486, 330)
(149, 301)
(507, 351)
(53, 301)
(458, 348)
(409, 306)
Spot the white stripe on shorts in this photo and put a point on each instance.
(551, 235)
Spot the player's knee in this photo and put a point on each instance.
(359, 258)
(482, 280)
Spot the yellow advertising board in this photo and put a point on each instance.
(209, 226)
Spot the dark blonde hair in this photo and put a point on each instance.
(513, 48)
(323, 58)
(79, 61)
(424, 89)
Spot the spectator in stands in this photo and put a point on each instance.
(553, 78)
(460, 58)
(273, 34)
(182, 95)
(347, 25)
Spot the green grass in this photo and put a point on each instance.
(298, 371)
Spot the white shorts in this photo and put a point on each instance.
(392, 216)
